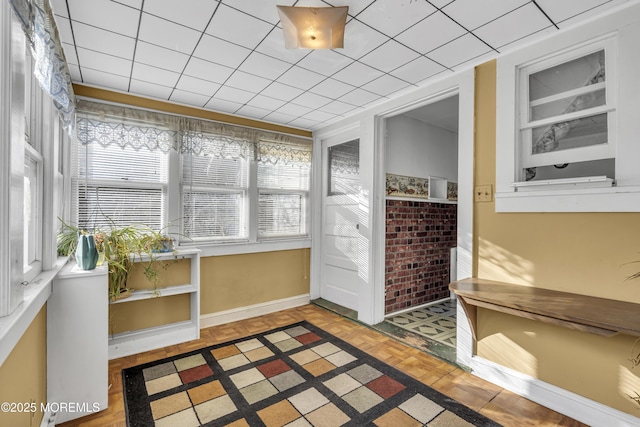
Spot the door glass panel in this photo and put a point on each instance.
(344, 168)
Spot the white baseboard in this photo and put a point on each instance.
(570, 404)
(247, 312)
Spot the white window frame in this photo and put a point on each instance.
(621, 28)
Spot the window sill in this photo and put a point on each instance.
(597, 199)
(250, 247)
(36, 294)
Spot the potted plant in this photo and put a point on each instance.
(120, 246)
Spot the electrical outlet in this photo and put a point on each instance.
(483, 193)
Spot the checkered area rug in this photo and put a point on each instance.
(297, 375)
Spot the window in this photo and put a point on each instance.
(204, 182)
(566, 113)
(117, 184)
(569, 145)
(283, 190)
(214, 191)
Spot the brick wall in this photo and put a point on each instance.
(419, 238)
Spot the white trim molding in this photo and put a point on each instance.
(247, 312)
(570, 404)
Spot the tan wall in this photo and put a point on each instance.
(23, 375)
(226, 282)
(584, 253)
(234, 281)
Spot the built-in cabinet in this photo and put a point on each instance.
(77, 342)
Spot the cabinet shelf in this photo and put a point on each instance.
(141, 294)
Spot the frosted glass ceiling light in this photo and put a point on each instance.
(313, 27)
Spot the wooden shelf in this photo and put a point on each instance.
(595, 315)
(140, 294)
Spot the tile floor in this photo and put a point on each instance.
(435, 322)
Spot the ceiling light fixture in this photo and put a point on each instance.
(313, 27)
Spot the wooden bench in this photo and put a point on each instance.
(599, 316)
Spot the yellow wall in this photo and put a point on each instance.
(226, 282)
(23, 375)
(584, 253)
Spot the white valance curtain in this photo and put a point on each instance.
(50, 66)
(108, 124)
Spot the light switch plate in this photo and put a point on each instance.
(483, 193)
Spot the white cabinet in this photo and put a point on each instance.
(128, 343)
(77, 331)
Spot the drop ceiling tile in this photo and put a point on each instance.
(356, 6)
(311, 100)
(389, 56)
(150, 89)
(103, 62)
(319, 116)
(300, 78)
(105, 14)
(360, 97)
(226, 21)
(64, 30)
(523, 21)
(205, 70)
(277, 117)
(357, 74)
(474, 13)
(136, 4)
(385, 85)
(418, 70)
(391, 16)
(264, 66)
(566, 9)
(431, 33)
(265, 10)
(234, 95)
(103, 41)
(325, 61)
(167, 34)
(360, 39)
(223, 105)
(303, 123)
(294, 110)
(252, 112)
(220, 51)
(246, 81)
(191, 13)
(154, 75)
(157, 56)
(105, 80)
(189, 98)
(337, 107)
(440, 3)
(273, 45)
(59, 8)
(70, 53)
(74, 71)
(194, 85)
(266, 102)
(281, 91)
(332, 88)
(458, 51)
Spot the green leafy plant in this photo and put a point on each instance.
(121, 247)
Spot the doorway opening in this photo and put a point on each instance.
(421, 160)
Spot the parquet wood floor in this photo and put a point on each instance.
(492, 401)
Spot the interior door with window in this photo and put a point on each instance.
(340, 222)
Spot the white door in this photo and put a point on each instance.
(340, 222)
